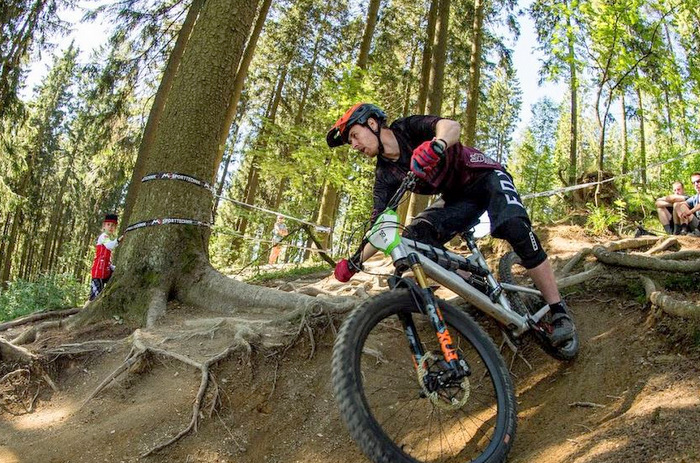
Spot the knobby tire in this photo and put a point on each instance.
(379, 395)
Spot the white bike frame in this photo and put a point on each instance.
(385, 236)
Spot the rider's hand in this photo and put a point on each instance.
(426, 157)
(344, 271)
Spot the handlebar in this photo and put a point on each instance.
(407, 184)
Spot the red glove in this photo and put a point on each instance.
(425, 158)
(343, 271)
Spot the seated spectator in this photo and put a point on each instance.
(688, 211)
(664, 207)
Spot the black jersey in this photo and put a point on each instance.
(460, 166)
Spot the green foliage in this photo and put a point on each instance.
(48, 292)
(602, 218)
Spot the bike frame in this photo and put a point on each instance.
(385, 236)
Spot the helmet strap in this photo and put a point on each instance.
(377, 133)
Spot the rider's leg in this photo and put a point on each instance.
(510, 221)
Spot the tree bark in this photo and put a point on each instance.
(372, 12)
(642, 139)
(474, 74)
(166, 261)
(427, 58)
(437, 74)
(573, 89)
(625, 154)
(241, 77)
(156, 112)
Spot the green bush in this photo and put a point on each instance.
(48, 292)
(602, 218)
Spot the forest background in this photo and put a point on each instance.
(74, 147)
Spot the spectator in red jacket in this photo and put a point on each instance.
(102, 265)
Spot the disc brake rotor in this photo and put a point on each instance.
(449, 397)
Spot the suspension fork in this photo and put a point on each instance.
(428, 304)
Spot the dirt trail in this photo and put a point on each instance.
(643, 399)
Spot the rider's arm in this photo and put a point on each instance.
(448, 131)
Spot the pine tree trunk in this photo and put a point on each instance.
(642, 139)
(241, 77)
(625, 149)
(326, 212)
(156, 112)
(418, 203)
(437, 74)
(474, 74)
(160, 262)
(11, 244)
(222, 180)
(370, 24)
(251, 189)
(427, 58)
(573, 90)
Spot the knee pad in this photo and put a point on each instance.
(525, 243)
(423, 231)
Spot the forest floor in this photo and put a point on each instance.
(639, 375)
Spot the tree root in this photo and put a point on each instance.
(619, 245)
(638, 261)
(669, 242)
(670, 305)
(37, 317)
(579, 278)
(12, 353)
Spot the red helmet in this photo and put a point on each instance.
(358, 114)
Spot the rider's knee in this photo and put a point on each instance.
(423, 231)
(525, 243)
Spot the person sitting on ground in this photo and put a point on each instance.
(102, 266)
(469, 183)
(688, 211)
(279, 232)
(664, 208)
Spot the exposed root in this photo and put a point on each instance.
(131, 359)
(579, 278)
(574, 261)
(12, 353)
(80, 348)
(670, 305)
(197, 405)
(644, 262)
(681, 255)
(30, 335)
(37, 317)
(669, 242)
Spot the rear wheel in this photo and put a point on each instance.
(399, 412)
(511, 270)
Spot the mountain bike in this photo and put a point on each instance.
(417, 379)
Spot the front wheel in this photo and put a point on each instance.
(510, 270)
(384, 400)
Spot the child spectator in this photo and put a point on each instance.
(102, 265)
(279, 232)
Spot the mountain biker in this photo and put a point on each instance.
(468, 181)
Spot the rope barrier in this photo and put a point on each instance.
(212, 190)
(261, 240)
(586, 185)
(320, 228)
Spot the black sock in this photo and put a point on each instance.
(668, 228)
(557, 307)
(676, 228)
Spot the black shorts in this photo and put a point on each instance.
(457, 211)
